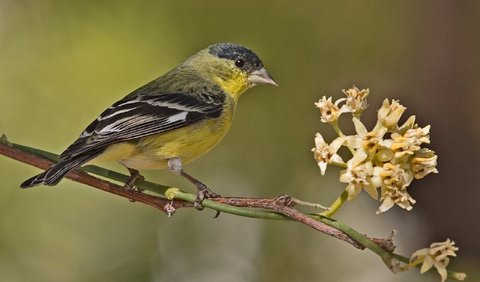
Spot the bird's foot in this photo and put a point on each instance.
(203, 192)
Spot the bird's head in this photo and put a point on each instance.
(233, 67)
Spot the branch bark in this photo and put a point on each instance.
(281, 206)
(87, 179)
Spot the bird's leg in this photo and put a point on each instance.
(134, 176)
(203, 192)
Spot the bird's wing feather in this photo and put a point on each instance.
(139, 116)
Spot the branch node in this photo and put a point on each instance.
(285, 200)
(171, 193)
(4, 140)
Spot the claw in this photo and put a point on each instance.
(203, 192)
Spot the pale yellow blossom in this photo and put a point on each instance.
(371, 141)
(395, 175)
(356, 101)
(395, 196)
(408, 124)
(385, 160)
(459, 276)
(389, 114)
(437, 256)
(423, 163)
(329, 111)
(394, 181)
(384, 155)
(358, 175)
(325, 153)
(410, 141)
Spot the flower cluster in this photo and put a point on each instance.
(436, 256)
(355, 103)
(385, 160)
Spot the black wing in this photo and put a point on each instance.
(139, 116)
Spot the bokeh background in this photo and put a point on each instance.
(63, 62)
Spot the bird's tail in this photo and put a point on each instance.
(55, 173)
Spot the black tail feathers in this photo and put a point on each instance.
(50, 177)
(55, 173)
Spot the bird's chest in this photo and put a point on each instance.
(192, 142)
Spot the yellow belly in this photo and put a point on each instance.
(153, 152)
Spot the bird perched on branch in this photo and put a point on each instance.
(170, 121)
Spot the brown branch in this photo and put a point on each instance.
(283, 204)
(85, 178)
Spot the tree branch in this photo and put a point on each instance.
(281, 206)
(170, 199)
(83, 177)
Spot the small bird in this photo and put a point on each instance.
(168, 122)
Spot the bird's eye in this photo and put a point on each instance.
(240, 63)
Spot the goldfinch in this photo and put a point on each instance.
(170, 121)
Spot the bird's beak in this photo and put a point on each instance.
(261, 76)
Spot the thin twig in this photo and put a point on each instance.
(282, 205)
(83, 177)
(277, 208)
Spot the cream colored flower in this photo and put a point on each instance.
(371, 141)
(356, 100)
(460, 276)
(388, 157)
(395, 175)
(329, 111)
(389, 114)
(437, 255)
(408, 124)
(423, 163)
(325, 153)
(394, 181)
(410, 141)
(397, 196)
(384, 155)
(358, 175)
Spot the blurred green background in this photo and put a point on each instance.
(63, 62)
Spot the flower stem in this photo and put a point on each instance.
(342, 165)
(309, 204)
(337, 129)
(335, 206)
(339, 132)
